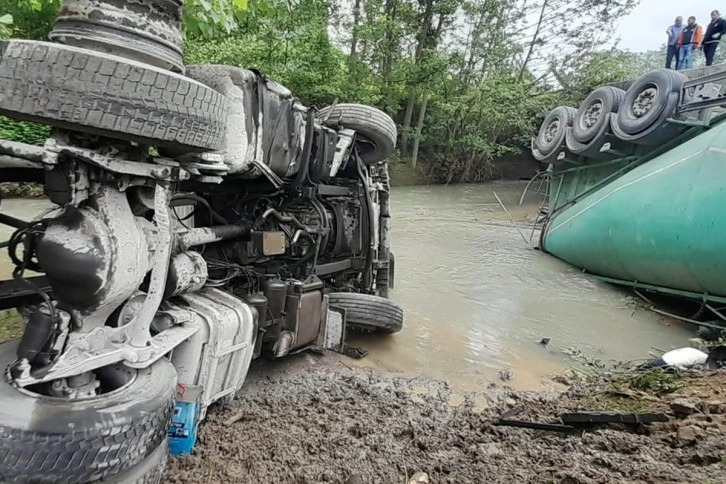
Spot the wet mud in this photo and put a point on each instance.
(315, 419)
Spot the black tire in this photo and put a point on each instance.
(551, 134)
(647, 99)
(595, 111)
(47, 439)
(376, 130)
(82, 90)
(370, 313)
(149, 471)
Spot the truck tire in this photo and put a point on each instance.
(83, 90)
(376, 131)
(47, 439)
(149, 471)
(647, 99)
(595, 111)
(551, 134)
(369, 313)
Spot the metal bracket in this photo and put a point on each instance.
(114, 164)
(105, 346)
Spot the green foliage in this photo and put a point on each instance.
(22, 131)
(464, 90)
(11, 325)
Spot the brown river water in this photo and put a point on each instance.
(478, 300)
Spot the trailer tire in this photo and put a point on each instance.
(47, 439)
(595, 111)
(375, 130)
(551, 134)
(369, 313)
(647, 99)
(83, 90)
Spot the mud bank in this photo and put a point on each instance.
(314, 419)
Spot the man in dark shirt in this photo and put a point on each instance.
(715, 30)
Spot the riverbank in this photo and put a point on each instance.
(316, 419)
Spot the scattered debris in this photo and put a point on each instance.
(716, 357)
(355, 353)
(536, 425)
(681, 359)
(234, 419)
(683, 407)
(506, 375)
(591, 418)
(419, 478)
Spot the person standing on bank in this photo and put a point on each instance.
(689, 40)
(714, 31)
(673, 32)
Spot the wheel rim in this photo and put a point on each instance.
(592, 115)
(551, 131)
(112, 379)
(135, 30)
(644, 101)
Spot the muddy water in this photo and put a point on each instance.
(478, 300)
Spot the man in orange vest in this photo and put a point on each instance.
(689, 40)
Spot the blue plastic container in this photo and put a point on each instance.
(184, 422)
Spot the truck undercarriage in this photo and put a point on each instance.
(202, 217)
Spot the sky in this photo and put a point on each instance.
(644, 29)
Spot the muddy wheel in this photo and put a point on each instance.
(376, 131)
(551, 134)
(49, 439)
(83, 90)
(595, 111)
(369, 313)
(149, 471)
(647, 99)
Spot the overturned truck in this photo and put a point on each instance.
(636, 184)
(202, 217)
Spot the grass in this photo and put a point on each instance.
(11, 325)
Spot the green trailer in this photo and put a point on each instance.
(636, 185)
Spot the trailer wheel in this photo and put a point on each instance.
(369, 313)
(551, 134)
(83, 90)
(49, 439)
(376, 131)
(647, 99)
(595, 111)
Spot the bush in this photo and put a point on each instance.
(22, 131)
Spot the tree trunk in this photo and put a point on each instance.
(428, 16)
(419, 126)
(534, 40)
(388, 42)
(407, 120)
(354, 39)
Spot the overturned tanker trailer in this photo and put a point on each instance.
(636, 184)
(255, 226)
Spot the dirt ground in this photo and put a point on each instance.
(314, 419)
